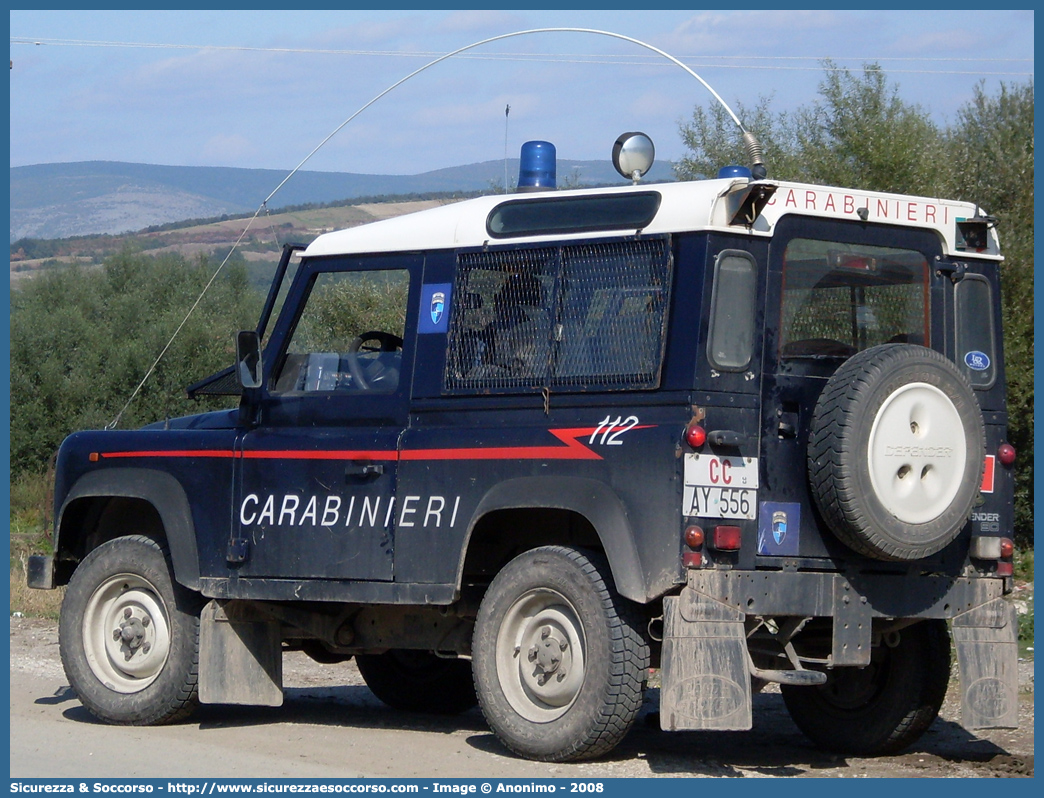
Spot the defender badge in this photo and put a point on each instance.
(779, 526)
(779, 529)
(438, 306)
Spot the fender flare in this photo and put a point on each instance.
(590, 498)
(164, 493)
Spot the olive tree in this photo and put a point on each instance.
(860, 133)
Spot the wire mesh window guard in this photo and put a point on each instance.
(569, 318)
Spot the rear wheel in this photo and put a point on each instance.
(419, 681)
(884, 707)
(559, 657)
(129, 634)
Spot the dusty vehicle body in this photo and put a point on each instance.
(739, 430)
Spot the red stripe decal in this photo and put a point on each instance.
(221, 453)
(304, 454)
(573, 449)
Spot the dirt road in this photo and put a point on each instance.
(332, 726)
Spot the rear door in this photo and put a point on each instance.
(835, 288)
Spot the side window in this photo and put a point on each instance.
(349, 335)
(730, 340)
(975, 343)
(500, 330)
(839, 299)
(561, 317)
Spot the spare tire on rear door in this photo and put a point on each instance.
(896, 452)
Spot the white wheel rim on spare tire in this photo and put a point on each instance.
(917, 453)
(126, 633)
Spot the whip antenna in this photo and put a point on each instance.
(758, 170)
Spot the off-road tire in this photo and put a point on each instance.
(129, 583)
(883, 708)
(559, 657)
(896, 452)
(419, 681)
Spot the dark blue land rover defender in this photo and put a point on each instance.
(518, 450)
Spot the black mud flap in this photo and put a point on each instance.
(986, 639)
(706, 680)
(240, 662)
(40, 572)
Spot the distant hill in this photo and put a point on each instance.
(60, 200)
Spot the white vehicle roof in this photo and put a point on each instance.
(684, 206)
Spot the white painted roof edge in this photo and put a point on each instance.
(685, 206)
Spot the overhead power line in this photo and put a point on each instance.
(705, 61)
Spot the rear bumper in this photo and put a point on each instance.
(852, 597)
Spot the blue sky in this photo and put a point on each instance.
(263, 88)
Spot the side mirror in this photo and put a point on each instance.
(248, 359)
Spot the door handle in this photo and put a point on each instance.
(955, 270)
(364, 470)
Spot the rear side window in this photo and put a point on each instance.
(568, 318)
(976, 354)
(549, 215)
(839, 299)
(730, 340)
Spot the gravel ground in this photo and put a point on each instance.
(330, 703)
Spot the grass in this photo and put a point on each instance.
(1026, 634)
(1024, 574)
(33, 603)
(1024, 565)
(31, 534)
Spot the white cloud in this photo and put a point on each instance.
(231, 150)
(931, 41)
(491, 22)
(655, 105)
(471, 113)
(387, 33)
(747, 32)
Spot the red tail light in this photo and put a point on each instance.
(726, 538)
(695, 436)
(692, 559)
(1006, 453)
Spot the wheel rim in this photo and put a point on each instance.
(917, 453)
(541, 652)
(126, 633)
(853, 689)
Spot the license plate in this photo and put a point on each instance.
(706, 502)
(721, 472)
(720, 487)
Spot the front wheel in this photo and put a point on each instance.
(884, 707)
(558, 656)
(129, 635)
